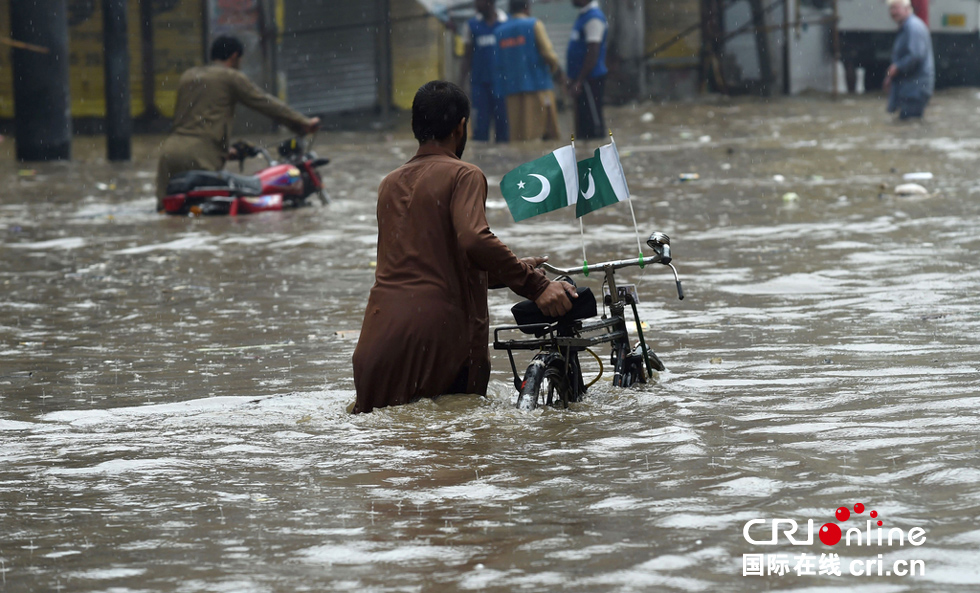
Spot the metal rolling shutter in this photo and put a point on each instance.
(329, 54)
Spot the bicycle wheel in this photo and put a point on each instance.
(628, 366)
(655, 361)
(545, 383)
(633, 371)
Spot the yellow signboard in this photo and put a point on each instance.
(954, 20)
(177, 45)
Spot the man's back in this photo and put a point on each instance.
(418, 238)
(484, 47)
(520, 66)
(205, 101)
(913, 54)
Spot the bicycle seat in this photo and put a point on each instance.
(239, 185)
(527, 313)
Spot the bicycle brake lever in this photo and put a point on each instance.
(677, 281)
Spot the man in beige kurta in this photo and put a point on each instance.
(426, 327)
(206, 99)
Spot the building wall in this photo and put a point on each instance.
(664, 20)
(178, 44)
(418, 50)
(674, 71)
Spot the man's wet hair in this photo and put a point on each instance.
(438, 108)
(519, 6)
(225, 47)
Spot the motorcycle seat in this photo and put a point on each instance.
(237, 185)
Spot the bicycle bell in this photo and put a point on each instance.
(660, 243)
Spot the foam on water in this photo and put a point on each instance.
(66, 244)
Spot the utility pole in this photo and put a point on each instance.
(762, 46)
(627, 24)
(384, 62)
(42, 102)
(118, 117)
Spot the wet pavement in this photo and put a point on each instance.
(173, 390)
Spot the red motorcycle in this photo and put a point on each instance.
(285, 183)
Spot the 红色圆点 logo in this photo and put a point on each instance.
(848, 533)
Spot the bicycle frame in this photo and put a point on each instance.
(548, 338)
(566, 340)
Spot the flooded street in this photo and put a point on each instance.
(173, 390)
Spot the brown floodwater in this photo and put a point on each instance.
(173, 390)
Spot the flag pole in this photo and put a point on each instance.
(581, 224)
(636, 230)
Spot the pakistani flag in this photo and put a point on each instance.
(602, 181)
(543, 185)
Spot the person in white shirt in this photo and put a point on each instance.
(586, 67)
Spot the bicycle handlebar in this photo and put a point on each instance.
(615, 265)
(606, 265)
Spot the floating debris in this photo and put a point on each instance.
(919, 176)
(689, 177)
(911, 189)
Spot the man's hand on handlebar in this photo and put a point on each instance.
(555, 301)
(534, 262)
(313, 126)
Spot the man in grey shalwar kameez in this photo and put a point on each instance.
(912, 74)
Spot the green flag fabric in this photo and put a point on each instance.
(543, 185)
(601, 180)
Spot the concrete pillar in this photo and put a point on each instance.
(42, 103)
(118, 117)
(627, 47)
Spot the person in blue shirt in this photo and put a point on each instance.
(526, 65)
(480, 62)
(586, 65)
(911, 76)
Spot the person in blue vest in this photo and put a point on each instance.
(479, 63)
(526, 65)
(587, 70)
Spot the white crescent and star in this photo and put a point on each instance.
(587, 194)
(545, 190)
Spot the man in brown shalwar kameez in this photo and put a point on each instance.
(426, 328)
(206, 98)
